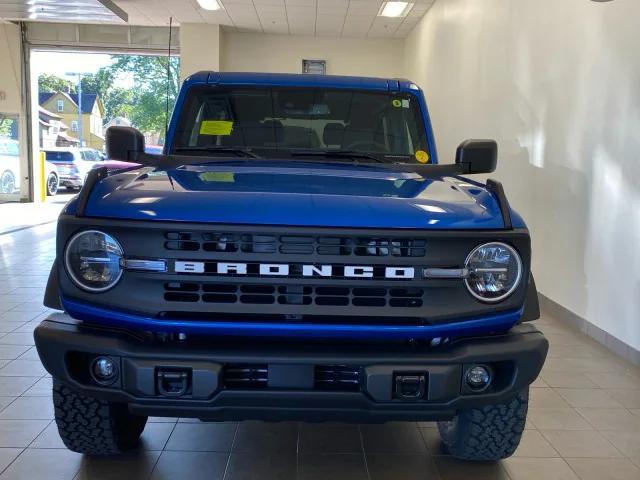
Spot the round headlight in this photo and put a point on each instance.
(494, 271)
(94, 260)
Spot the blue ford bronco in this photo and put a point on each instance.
(296, 253)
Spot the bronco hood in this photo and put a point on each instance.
(297, 194)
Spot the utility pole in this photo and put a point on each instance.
(79, 90)
(80, 109)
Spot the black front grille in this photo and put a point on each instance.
(325, 294)
(223, 293)
(361, 246)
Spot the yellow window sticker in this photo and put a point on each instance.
(216, 127)
(222, 177)
(422, 156)
(396, 102)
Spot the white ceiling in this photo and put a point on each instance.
(76, 11)
(349, 18)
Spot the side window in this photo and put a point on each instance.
(60, 105)
(74, 125)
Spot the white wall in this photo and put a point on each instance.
(249, 52)
(557, 83)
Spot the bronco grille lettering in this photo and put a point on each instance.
(294, 270)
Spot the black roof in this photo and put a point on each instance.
(88, 99)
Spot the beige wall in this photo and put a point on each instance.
(249, 52)
(10, 70)
(199, 48)
(11, 101)
(557, 83)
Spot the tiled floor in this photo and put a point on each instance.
(584, 419)
(14, 215)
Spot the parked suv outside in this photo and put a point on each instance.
(73, 165)
(10, 169)
(297, 253)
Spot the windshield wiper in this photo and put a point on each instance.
(239, 151)
(339, 154)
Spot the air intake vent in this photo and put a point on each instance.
(228, 242)
(252, 294)
(243, 376)
(337, 377)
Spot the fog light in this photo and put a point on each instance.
(104, 370)
(478, 377)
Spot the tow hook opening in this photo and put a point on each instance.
(173, 382)
(410, 386)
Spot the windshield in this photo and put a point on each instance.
(90, 155)
(53, 156)
(276, 121)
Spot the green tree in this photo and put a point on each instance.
(118, 102)
(6, 127)
(155, 79)
(99, 82)
(53, 83)
(145, 104)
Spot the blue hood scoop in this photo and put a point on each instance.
(296, 194)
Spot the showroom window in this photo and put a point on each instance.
(9, 158)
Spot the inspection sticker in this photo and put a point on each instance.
(396, 102)
(216, 127)
(422, 156)
(222, 177)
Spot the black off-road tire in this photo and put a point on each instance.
(489, 433)
(95, 427)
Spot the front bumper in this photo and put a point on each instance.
(67, 347)
(71, 181)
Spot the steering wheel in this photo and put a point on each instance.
(372, 146)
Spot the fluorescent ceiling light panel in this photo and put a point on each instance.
(395, 9)
(209, 4)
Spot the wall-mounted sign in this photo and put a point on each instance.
(317, 67)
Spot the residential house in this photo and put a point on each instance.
(66, 106)
(53, 131)
(117, 122)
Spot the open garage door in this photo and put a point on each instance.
(86, 78)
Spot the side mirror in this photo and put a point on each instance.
(124, 143)
(477, 156)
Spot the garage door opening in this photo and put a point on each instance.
(81, 94)
(76, 95)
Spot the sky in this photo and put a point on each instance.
(59, 63)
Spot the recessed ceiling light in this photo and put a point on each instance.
(209, 4)
(395, 9)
